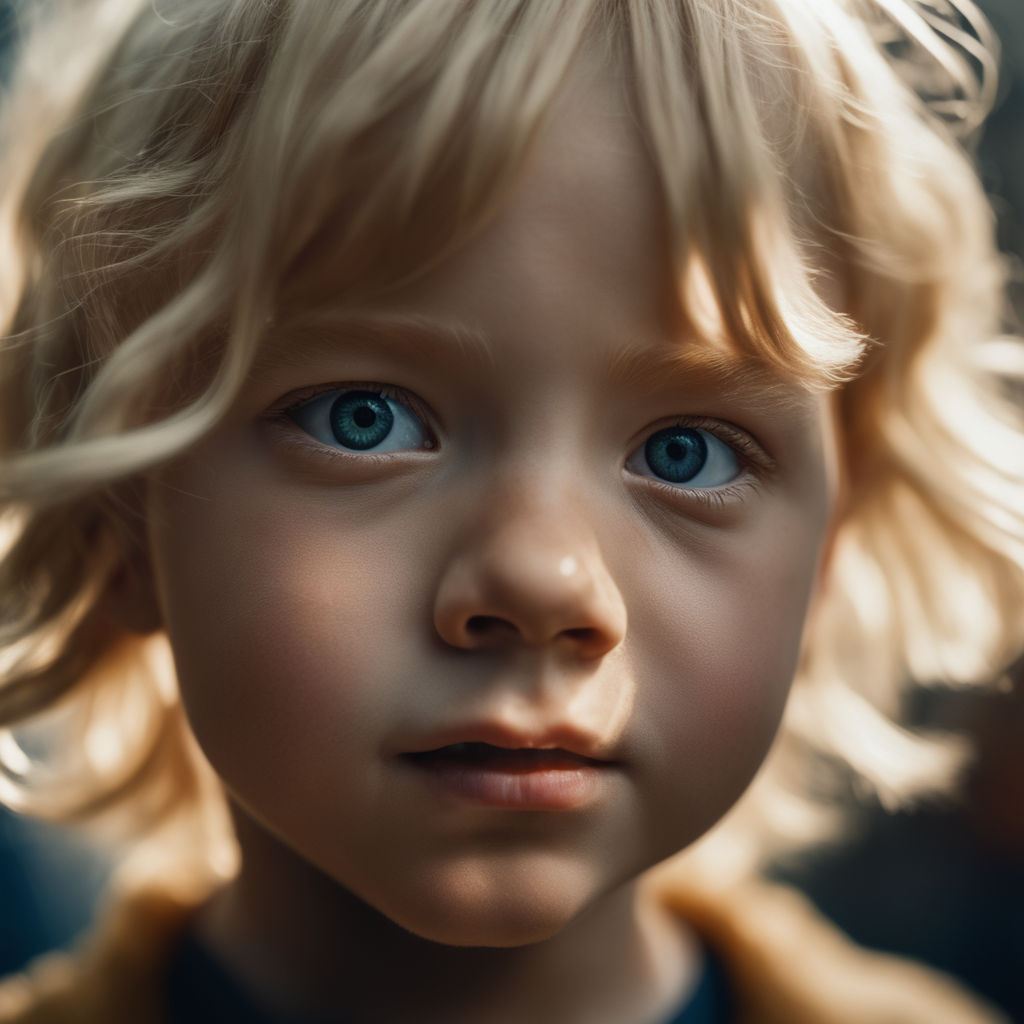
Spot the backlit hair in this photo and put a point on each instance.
(173, 170)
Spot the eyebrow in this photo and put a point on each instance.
(697, 364)
(689, 363)
(294, 340)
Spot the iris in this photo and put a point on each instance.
(361, 419)
(676, 454)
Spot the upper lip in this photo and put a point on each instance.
(565, 736)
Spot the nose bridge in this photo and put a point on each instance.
(538, 549)
(529, 569)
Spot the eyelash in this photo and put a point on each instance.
(715, 497)
(757, 464)
(294, 399)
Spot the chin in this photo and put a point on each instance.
(478, 909)
(488, 928)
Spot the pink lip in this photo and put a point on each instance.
(527, 779)
(490, 765)
(564, 737)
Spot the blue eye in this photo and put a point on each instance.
(686, 456)
(361, 421)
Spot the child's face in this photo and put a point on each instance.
(552, 536)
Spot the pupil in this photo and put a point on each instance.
(361, 419)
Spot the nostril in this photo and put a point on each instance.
(481, 625)
(588, 641)
(494, 627)
(582, 634)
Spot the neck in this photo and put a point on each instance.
(296, 940)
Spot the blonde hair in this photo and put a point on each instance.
(167, 190)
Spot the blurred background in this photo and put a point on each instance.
(942, 883)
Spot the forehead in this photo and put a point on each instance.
(585, 214)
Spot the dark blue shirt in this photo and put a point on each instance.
(200, 991)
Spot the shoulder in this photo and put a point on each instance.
(115, 974)
(788, 965)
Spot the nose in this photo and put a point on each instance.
(530, 575)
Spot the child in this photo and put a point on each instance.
(477, 396)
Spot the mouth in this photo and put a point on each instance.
(524, 778)
(501, 759)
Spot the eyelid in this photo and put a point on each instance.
(294, 399)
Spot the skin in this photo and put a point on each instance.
(519, 565)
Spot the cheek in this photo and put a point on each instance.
(721, 636)
(279, 620)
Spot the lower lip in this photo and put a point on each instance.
(536, 789)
